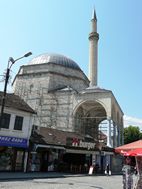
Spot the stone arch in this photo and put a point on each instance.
(88, 100)
(87, 116)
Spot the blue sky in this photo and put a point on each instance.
(62, 26)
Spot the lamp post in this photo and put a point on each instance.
(11, 61)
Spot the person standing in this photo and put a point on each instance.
(127, 174)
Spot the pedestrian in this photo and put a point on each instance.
(107, 169)
(127, 174)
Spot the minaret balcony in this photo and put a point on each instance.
(93, 35)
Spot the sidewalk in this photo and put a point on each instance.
(31, 175)
(5, 176)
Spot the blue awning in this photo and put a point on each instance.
(13, 142)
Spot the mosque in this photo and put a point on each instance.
(77, 123)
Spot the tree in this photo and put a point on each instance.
(131, 134)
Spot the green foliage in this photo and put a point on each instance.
(131, 134)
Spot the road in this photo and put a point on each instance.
(73, 182)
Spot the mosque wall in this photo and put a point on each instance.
(48, 76)
(51, 67)
(56, 109)
(53, 109)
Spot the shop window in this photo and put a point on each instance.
(18, 123)
(5, 121)
(19, 161)
(5, 159)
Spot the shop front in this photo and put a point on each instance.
(55, 150)
(13, 153)
(49, 158)
(80, 154)
(45, 158)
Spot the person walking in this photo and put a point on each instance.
(107, 169)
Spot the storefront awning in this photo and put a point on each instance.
(76, 151)
(49, 146)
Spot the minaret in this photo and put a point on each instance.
(93, 51)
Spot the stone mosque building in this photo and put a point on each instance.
(76, 121)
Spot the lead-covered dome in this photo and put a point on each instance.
(55, 59)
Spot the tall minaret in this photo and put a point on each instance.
(93, 51)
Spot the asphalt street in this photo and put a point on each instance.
(73, 182)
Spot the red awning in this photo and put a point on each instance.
(127, 147)
(136, 152)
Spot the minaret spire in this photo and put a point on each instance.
(94, 15)
(93, 51)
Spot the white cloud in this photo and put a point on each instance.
(128, 120)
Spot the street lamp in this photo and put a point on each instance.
(11, 61)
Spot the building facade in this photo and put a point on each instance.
(15, 132)
(66, 100)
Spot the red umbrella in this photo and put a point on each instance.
(136, 152)
(133, 149)
(131, 146)
(122, 152)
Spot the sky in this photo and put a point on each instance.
(63, 26)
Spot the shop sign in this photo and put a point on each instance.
(82, 144)
(13, 141)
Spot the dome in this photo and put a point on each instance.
(55, 59)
